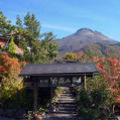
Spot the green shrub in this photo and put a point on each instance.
(29, 115)
(89, 113)
(91, 102)
(42, 110)
(99, 97)
(16, 99)
(11, 47)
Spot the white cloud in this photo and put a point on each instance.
(59, 28)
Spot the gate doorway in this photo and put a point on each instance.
(54, 75)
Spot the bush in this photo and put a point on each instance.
(12, 93)
(89, 113)
(16, 99)
(91, 102)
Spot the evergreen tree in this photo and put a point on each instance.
(5, 25)
(38, 48)
(18, 21)
(32, 25)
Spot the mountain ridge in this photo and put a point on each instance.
(81, 38)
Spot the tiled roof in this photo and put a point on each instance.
(58, 69)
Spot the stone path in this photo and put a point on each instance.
(67, 107)
(67, 102)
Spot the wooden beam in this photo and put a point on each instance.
(35, 95)
(84, 82)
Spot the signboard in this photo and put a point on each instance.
(59, 81)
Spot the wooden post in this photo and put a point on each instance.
(51, 93)
(84, 82)
(35, 95)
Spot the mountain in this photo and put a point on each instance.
(83, 38)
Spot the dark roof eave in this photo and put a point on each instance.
(61, 74)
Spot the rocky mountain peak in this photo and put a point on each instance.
(83, 30)
(81, 38)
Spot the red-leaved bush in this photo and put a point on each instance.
(110, 69)
(9, 68)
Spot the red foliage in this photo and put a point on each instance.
(110, 69)
(8, 65)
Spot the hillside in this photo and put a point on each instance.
(100, 49)
(82, 39)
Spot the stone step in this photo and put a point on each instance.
(61, 106)
(67, 97)
(64, 102)
(64, 96)
(67, 93)
(67, 100)
(67, 112)
(67, 108)
(67, 105)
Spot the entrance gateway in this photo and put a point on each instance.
(57, 74)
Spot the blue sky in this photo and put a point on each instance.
(64, 17)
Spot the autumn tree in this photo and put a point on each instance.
(110, 70)
(70, 57)
(10, 69)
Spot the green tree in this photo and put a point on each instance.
(32, 25)
(18, 21)
(5, 25)
(11, 47)
(38, 48)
